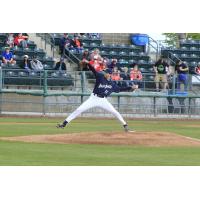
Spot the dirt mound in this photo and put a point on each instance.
(154, 139)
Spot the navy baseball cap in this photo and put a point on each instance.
(108, 71)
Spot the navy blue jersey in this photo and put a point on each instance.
(104, 87)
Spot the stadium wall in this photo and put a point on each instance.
(128, 106)
(116, 38)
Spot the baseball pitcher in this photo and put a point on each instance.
(104, 86)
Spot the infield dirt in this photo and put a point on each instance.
(151, 139)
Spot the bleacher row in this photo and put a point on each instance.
(126, 54)
(189, 52)
(14, 75)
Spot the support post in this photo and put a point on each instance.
(44, 92)
(174, 85)
(118, 102)
(1, 81)
(82, 84)
(154, 106)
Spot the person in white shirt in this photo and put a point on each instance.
(36, 65)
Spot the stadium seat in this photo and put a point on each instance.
(34, 74)
(93, 44)
(151, 62)
(40, 53)
(193, 49)
(104, 47)
(113, 53)
(123, 61)
(23, 74)
(142, 62)
(10, 73)
(131, 61)
(114, 47)
(123, 55)
(48, 61)
(193, 64)
(184, 48)
(3, 37)
(47, 67)
(104, 53)
(184, 55)
(54, 74)
(186, 63)
(31, 45)
(193, 55)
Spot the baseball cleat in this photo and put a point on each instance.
(62, 125)
(127, 130)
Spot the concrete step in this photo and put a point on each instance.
(41, 44)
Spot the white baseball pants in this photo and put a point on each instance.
(95, 101)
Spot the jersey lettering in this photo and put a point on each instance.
(105, 86)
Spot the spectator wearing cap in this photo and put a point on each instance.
(136, 76)
(36, 65)
(182, 74)
(26, 63)
(7, 56)
(21, 40)
(60, 65)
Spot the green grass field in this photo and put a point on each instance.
(33, 154)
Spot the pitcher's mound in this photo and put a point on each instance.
(114, 138)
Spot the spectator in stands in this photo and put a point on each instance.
(161, 69)
(116, 75)
(60, 65)
(65, 42)
(112, 64)
(94, 35)
(83, 64)
(125, 77)
(36, 65)
(7, 56)
(97, 63)
(94, 53)
(77, 44)
(182, 74)
(10, 40)
(26, 63)
(21, 40)
(136, 76)
(197, 69)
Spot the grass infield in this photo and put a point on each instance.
(33, 154)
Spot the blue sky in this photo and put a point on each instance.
(156, 36)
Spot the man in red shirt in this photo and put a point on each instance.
(20, 40)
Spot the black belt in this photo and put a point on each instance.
(98, 95)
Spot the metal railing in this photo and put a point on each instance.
(81, 81)
(153, 44)
(143, 102)
(71, 57)
(48, 39)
